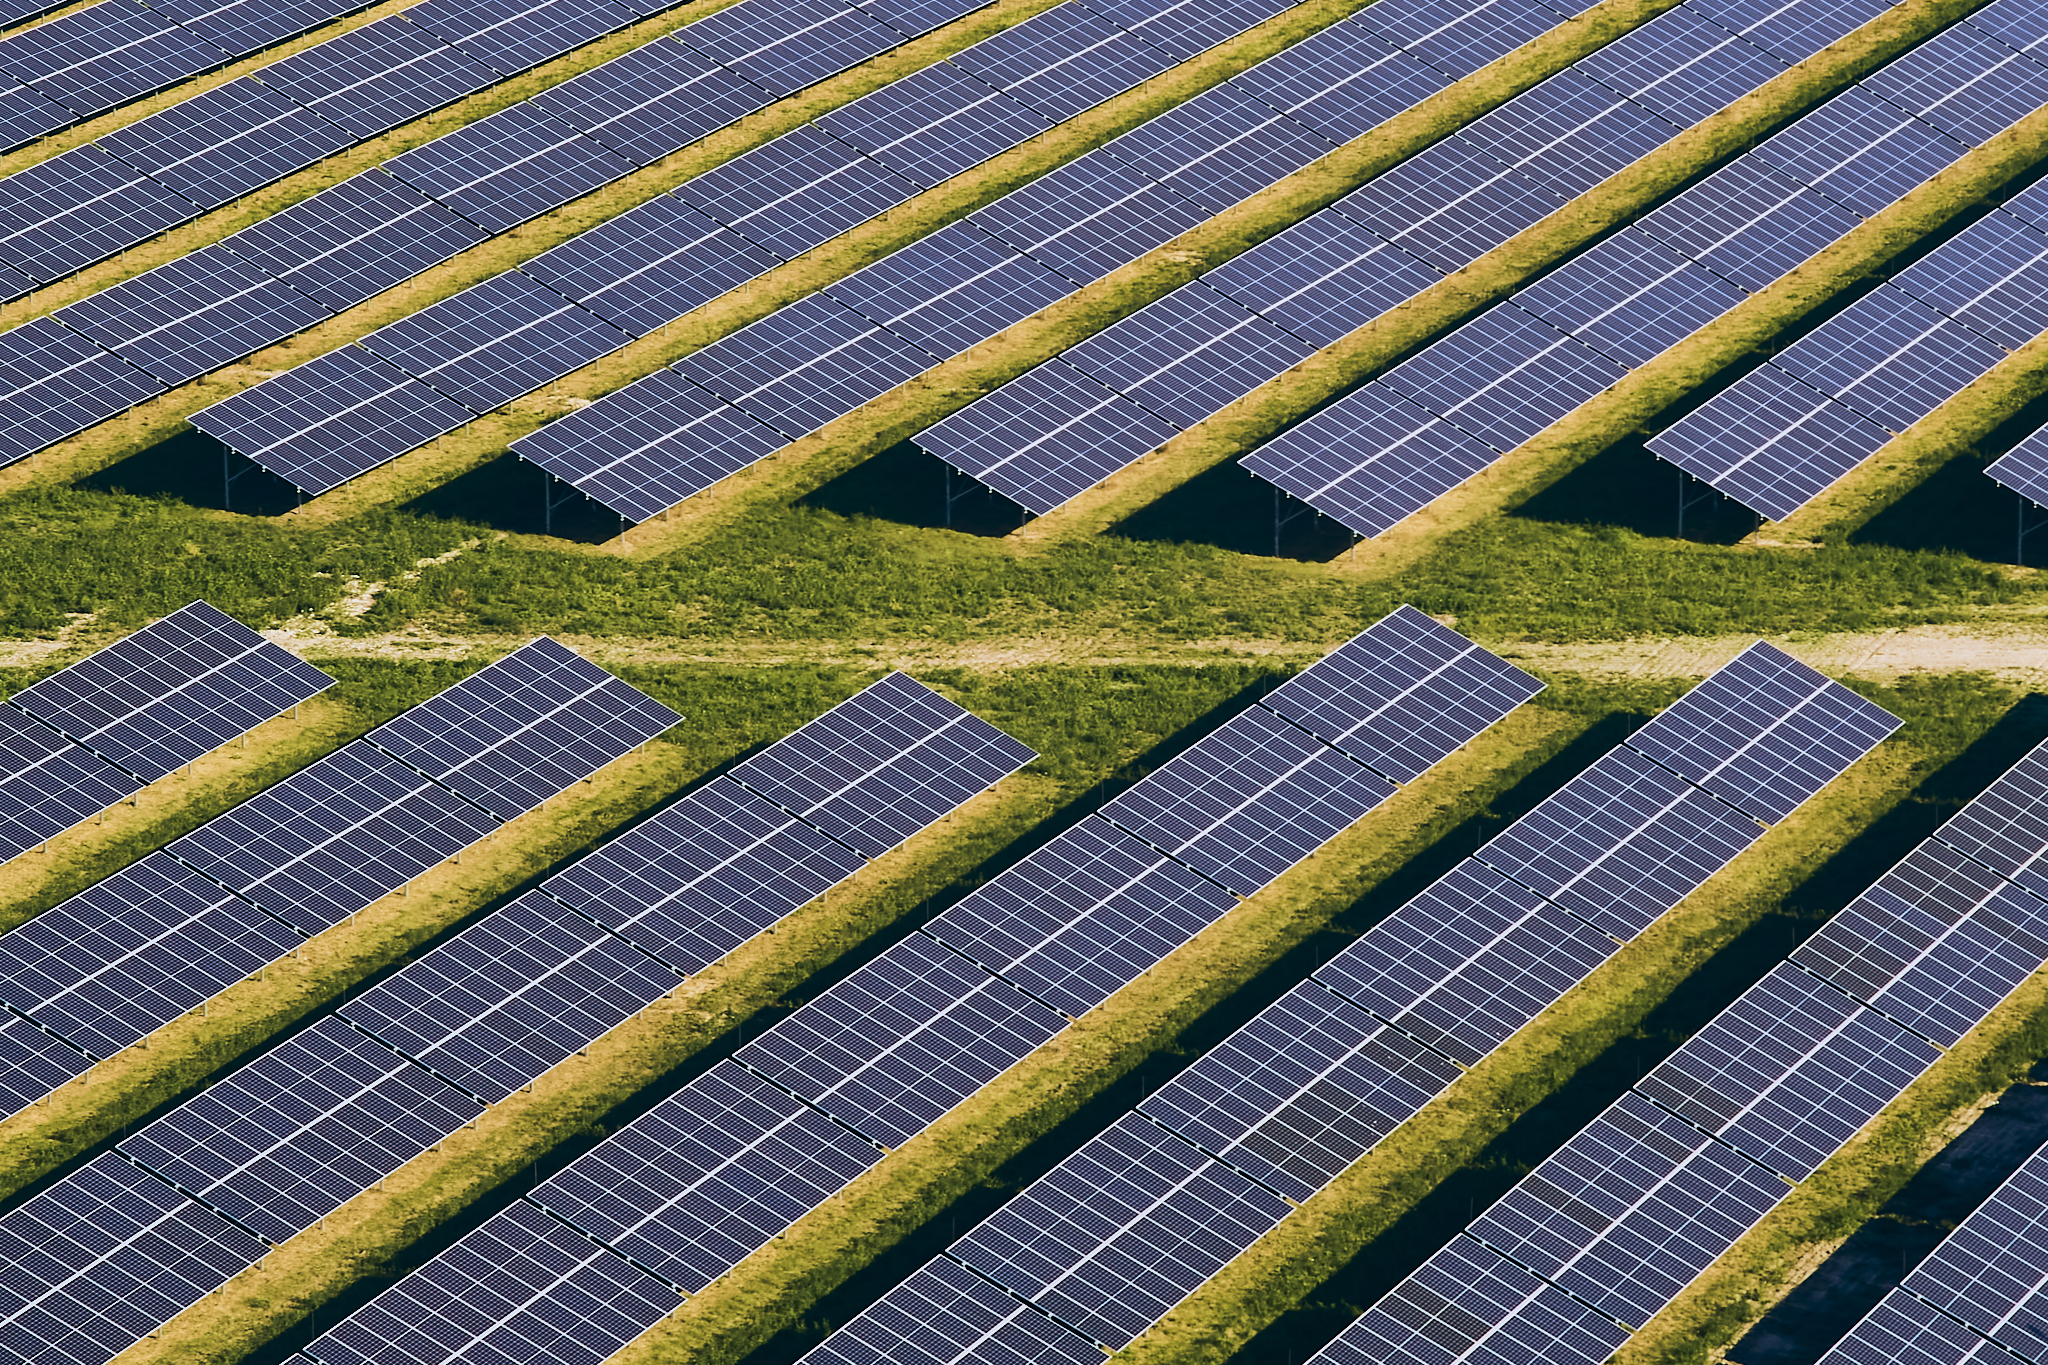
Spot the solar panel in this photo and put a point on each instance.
(1301, 1092)
(1082, 916)
(119, 1251)
(1063, 60)
(517, 35)
(1993, 278)
(908, 1036)
(508, 167)
(1249, 800)
(1370, 460)
(54, 383)
(1793, 32)
(653, 100)
(1426, 942)
(1571, 131)
(692, 1187)
(1621, 843)
(105, 55)
(950, 291)
(1789, 1072)
(301, 1130)
(1468, 1303)
(32, 1064)
(801, 366)
(1450, 204)
(1459, 38)
(520, 1286)
(1998, 88)
(1630, 1210)
(1504, 376)
(2024, 468)
(241, 26)
(795, 44)
(1630, 296)
(26, 116)
(192, 315)
(1902, 1330)
(372, 79)
(2015, 25)
(1748, 223)
(1682, 65)
(219, 145)
(1221, 147)
(933, 124)
(1120, 1231)
(945, 1314)
(1344, 81)
(1089, 217)
(650, 265)
(1323, 278)
(1890, 357)
(80, 207)
(1187, 28)
(48, 784)
(804, 188)
(322, 423)
(2002, 827)
(1988, 1271)
(354, 240)
(1860, 151)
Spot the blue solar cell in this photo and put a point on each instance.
(1793, 32)
(1457, 37)
(2024, 468)
(2019, 26)
(1630, 296)
(54, 383)
(48, 784)
(804, 188)
(1964, 82)
(26, 116)
(1988, 1272)
(653, 100)
(650, 265)
(1682, 65)
(1570, 131)
(1504, 376)
(935, 123)
(791, 45)
(1450, 204)
(1344, 81)
(1748, 223)
(1859, 151)
(105, 55)
(508, 167)
(80, 207)
(1063, 60)
(915, 18)
(32, 1064)
(945, 1314)
(1187, 28)
(378, 76)
(1993, 277)
(516, 35)
(1323, 278)
(219, 145)
(1088, 217)
(2002, 827)
(802, 366)
(1220, 148)
(1903, 1330)
(242, 26)
(1890, 357)
(950, 291)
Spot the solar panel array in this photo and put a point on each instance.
(284, 1141)
(2024, 468)
(123, 958)
(1626, 1214)
(99, 731)
(1143, 1214)
(679, 431)
(681, 1195)
(1389, 448)
(98, 357)
(649, 266)
(1782, 434)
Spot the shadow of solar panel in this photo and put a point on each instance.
(950, 291)
(703, 876)
(1402, 695)
(1988, 1272)
(1468, 1303)
(124, 1252)
(1630, 1210)
(1187, 28)
(518, 35)
(495, 341)
(1323, 278)
(26, 116)
(193, 314)
(650, 265)
(1119, 1232)
(1249, 801)
(295, 1134)
(794, 44)
(32, 1064)
(653, 100)
(106, 55)
(1890, 357)
(1764, 732)
(802, 366)
(520, 1285)
(1793, 32)
(705, 1178)
(1046, 437)
(1370, 460)
(374, 78)
(1344, 81)
(80, 207)
(1220, 147)
(945, 1313)
(511, 997)
(1082, 917)
(1902, 1330)
(656, 442)
(1189, 355)
(1301, 1092)
(1993, 277)
(1630, 296)
(1063, 60)
(1088, 217)
(902, 1040)
(804, 188)
(323, 423)
(935, 123)
(48, 784)
(1748, 223)
(1999, 87)
(1504, 376)
(1789, 1072)
(2024, 468)
(354, 240)
(1459, 38)
(245, 26)
(1621, 843)
(1450, 204)
(1682, 65)
(1571, 131)
(54, 383)
(508, 167)
(217, 146)
(1860, 151)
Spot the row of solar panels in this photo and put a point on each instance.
(1070, 422)
(1783, 433)
(599, 1252)
(286, 1140)
(120, 960)
(2024, 468)
(335, 417)
(96, 358)
(1138, 1218)
(1390, 447)
(1980, 1298)
(101, 730)
(1601, 1236)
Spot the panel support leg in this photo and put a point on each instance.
(1688, 499)
(948, 478)
(549, 502)
(1282, 517)
(2032, 517)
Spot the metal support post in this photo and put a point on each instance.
(1685, 483)
(2032, 517)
